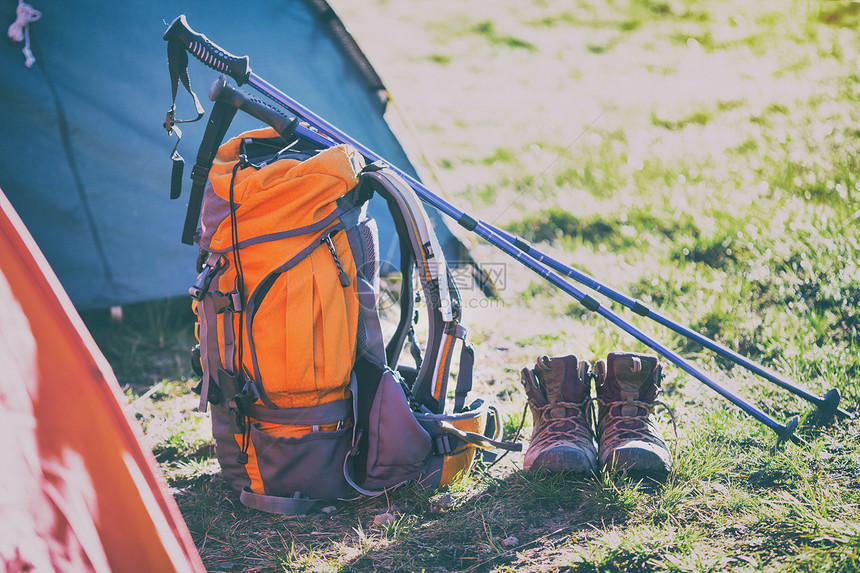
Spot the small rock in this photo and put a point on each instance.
(509, 542)
(383, 519)
(329, 509)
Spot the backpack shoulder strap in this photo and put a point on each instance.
(442, 298)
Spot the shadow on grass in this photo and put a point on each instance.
(500, 522)
(485, 523)
(726, 485)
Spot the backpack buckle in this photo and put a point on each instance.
(229, 301)
(356, 448)
(204, 279)
(442, 445)
(199, 173)
(246, 398)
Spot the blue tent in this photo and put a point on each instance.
(85, 160)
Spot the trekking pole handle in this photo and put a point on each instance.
(223, 91)
(202, 48)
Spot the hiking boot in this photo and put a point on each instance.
(627, 388)
(559, 396)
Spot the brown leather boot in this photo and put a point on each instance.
(627, 388)
(559, 396)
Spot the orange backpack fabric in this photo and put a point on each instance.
(308, 360)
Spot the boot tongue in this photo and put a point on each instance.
(631, 372)
(633, 379)
(562, 384)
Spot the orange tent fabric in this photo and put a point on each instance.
(77, 490)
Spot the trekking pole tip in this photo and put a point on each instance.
(828, 407)
(786, 433)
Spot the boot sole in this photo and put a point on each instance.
(563, 460)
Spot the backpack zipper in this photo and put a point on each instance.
(344, 280)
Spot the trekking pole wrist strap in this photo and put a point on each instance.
(177, 63)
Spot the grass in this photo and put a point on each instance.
(701, 157)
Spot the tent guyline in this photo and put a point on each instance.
(312, 128)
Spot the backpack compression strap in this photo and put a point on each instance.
(295, 505)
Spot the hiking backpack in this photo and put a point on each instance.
(308, 397)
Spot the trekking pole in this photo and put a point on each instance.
(240, 70)
(220, 60)
(827, 406)
(222, 91)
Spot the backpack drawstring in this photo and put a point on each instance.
(245, 425)
(344, 280)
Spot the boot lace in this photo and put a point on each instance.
(615, 431)
(570, 426)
